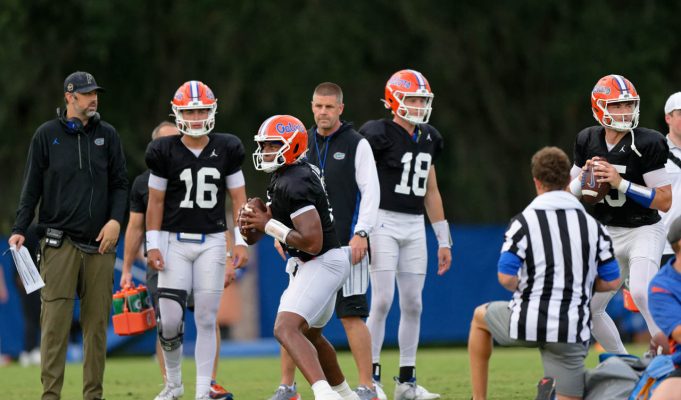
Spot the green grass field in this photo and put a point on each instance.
(513, 375)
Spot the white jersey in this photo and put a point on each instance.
(674, 173)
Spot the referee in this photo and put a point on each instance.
(554, 256)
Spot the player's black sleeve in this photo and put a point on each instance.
(374, 132)
(154, 158)
(438, 140)
(300, 192)
(137, 194)
(581, 145)
(236, 154)
(655, 152)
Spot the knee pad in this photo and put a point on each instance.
(180, 296)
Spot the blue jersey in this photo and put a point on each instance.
(664, 302)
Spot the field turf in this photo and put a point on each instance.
(513, 375)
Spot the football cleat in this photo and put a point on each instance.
(171, 392)
(219, 392)
(285, 392)
(380, 393)
(546, 389)
(412, 391)
(365, 393)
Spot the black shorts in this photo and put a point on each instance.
(353, 306)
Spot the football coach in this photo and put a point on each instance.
(75, 170)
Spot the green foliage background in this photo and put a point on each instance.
(509, 76)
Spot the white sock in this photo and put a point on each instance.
(202, 385)
(343, 389)
(321, 388)
(173, 361)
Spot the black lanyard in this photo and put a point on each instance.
(322, 162)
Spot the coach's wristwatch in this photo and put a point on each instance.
(361, 234)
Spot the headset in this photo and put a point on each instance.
(75, 125)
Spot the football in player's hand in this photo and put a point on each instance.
(592, 190)
(251, 235)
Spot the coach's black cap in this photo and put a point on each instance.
(674, 234)
(81, 82)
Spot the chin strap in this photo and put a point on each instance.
(633, 146)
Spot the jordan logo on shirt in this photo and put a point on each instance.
(428, 137)
(213, 154)
(622, 150)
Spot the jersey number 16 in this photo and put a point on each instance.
(206, 193)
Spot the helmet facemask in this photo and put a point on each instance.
(278, 158)
(185, 126)
(415, 115)
(620, 122)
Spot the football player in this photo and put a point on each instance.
(186, 223)
(405, 148)
(134, 235)
(299, 217)
(635, 170)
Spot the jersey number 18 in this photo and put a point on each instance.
(419, 177)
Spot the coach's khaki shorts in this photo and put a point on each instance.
(562, 361)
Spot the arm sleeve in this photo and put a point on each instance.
(609, 271)
(374, 132)
(438, 140)
(605, 252)
(32, 189)
(136, 195)
(580, 148)
(655, 154)
(664, 307)
(367, 181)
(515, 239)
(236, 155)
(509, 263)
(154, 160)
(118, 180)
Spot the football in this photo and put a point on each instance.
(592, 190)
(251, 236)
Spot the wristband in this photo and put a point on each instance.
(641, 194)
(152, 240)
(576, 187)
(277, 230)
(444, 238)
(238, 238)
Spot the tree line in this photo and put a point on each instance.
(508, 77)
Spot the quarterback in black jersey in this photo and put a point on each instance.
(299, 217)
(134, 236)
(186, 224)
(405, 149)
(634, 167)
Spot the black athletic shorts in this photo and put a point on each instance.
(353, 306)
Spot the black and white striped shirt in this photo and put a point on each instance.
(562, 249)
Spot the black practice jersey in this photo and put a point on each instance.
(402, 162)
(139, 193)
(195, 195)
(297, 186)
(616, 209)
